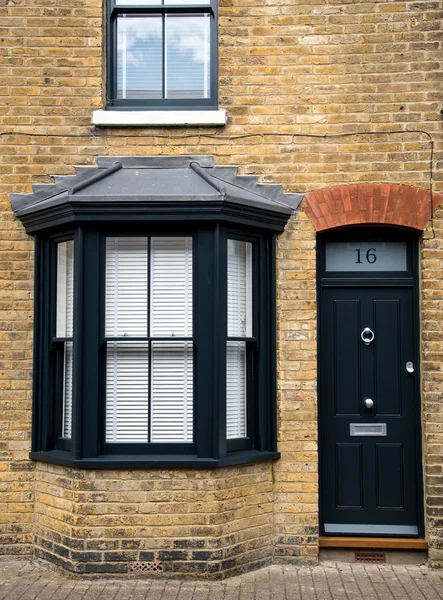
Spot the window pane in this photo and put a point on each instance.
(235, 390)
(171, 286)
(172, 392)
(126, 286)
(67, 390)
(239, 288)
(65, 288)
(127, 391)
(139, 56)
(187, 56)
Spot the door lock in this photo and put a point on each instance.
(368, 402)
(367, 336)
(410, 366)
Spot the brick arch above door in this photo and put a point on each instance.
(370, 203)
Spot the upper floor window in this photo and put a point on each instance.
(162, 54)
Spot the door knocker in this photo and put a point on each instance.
(367, 336)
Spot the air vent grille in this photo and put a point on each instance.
(370, 557)
(139, 568)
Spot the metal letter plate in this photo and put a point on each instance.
(368, 429)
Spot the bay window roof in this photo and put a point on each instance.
(154, 187)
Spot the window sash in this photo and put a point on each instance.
(64, 331)
(240, 331)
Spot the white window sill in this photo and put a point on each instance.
(155, 118)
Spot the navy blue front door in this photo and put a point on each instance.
(368, 411)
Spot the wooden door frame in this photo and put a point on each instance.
(388, 234)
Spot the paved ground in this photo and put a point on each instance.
(328, 581)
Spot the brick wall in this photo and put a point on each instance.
(289, 70)
(182, 523)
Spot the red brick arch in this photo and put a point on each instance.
(370, 203)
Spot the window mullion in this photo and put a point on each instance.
(149, 292)
(164, 92)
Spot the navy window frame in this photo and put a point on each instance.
(210, 447)
(113, 103)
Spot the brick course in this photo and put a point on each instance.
(320, 93)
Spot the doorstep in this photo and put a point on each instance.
(373, 542)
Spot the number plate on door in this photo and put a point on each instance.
(368, 429)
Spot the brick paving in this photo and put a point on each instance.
(327, 581)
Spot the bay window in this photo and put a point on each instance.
(154, 339)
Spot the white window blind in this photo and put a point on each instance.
(65, 288)
(239, 289)
(126, 286)
(171, 287)
(239, 325)
(67, 391)
(172, 392)
(236, 390)
(127, 392)
(149, 385)
(64, 326)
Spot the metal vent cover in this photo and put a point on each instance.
(370, 557)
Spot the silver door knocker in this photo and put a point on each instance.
(367, 336)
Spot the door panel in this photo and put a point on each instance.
(387, 357)
(346, 356)
(389, 470)
(348, 484)
(369, 483)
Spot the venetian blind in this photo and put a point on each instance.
(67, 390)
(163, 56)
(65, 289)
(149, 385)
(126, 286)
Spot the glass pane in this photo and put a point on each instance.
(65, 288)
(126, 286)
(67, 390)
(366, 256)
(187, 56)
(235, 390)
(139, 57)
(239, 289)
(127, 391)
(172, 392)
(171, 286)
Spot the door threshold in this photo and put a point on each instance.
(373, 542)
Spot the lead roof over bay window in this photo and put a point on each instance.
(154, 314)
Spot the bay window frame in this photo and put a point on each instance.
(114, 103)
(210, 447)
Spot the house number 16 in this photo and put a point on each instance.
(370, 256)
